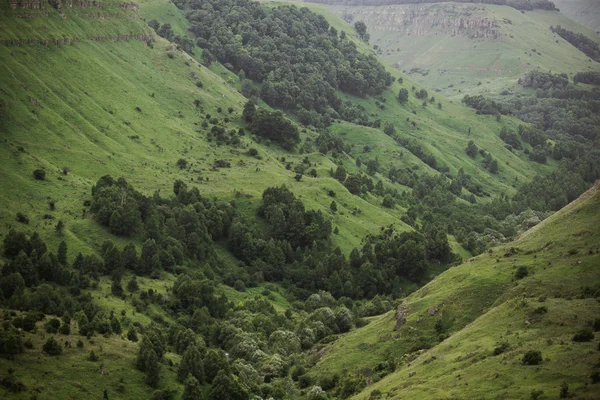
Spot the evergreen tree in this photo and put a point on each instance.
(191, 364)
(62, 253)
(227, 387)
(192, 390)
(152, 369)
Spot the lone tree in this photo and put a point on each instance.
(403, 95)
(361, 29)
(39, 174)
(182, 163)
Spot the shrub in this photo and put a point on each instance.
(39, 174)
(52, 347)
(52, 325)
(521, 272)
(532, 357)
(501, 348)
(535, 394)
(93, 356)
(22, 218)
(584, 335)
(239, 286)
(182, 163)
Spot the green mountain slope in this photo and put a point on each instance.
(585, 12)
(83, 100)
(470, 48)
(482, 304)
(88, 89)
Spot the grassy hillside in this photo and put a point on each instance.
(470, 48)
(83, 100)
(583, 11)
(482, 304)
(86, 92)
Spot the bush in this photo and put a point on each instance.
(501, 348)
(532, 357)
(93, 356)
(584, 335)
(521, 273)
(52, 325)
(39, 174)
(239, 286)
(52, 347)
(182, 163)
(22, 218)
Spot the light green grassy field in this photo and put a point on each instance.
(456, 49)
(75, 106)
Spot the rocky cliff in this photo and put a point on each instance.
(425, 20)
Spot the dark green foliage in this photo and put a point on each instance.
(532, 357)
(403, 95)
(591, 77)
(511, 138)
(544, 80)
(22, 218)
(535, 394)
(11, 342)
(501, 348)
(490, 163)
(551, 192)
(191, 365)
(361, 29)
(214, 362)
(521, 272)
(274, 126)
(132, 335)
(595, 376)
(226, 386)
(485, 106)
(93, 357)
(52, 325)
(471, 149)
(117, 205)
(421, 94)
(303, 73)
(589, 47)
(584, 335)
(192, 389)
(182, 163)
(39, 174)
(388, 201)
(564, 390)
(52, 347)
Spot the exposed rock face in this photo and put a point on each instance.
(58, 4)
(400, 316)
(425, 20)
(28, 4)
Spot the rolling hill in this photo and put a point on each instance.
(90, 92)
(585, 12)
(483, 305)
(462, 48)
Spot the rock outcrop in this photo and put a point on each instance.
(425, 20)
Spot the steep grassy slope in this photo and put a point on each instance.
(586, 12)
(481, 304)
(470, 48)
(76, 106)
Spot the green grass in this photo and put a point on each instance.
(423, 36)
(480, 305)
(72, 376)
